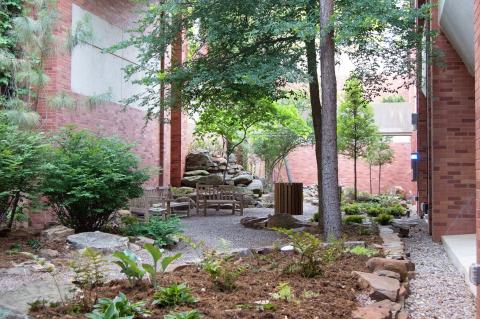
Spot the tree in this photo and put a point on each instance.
(272, 142)
(90, 177)
(379, 153)
(356, 125)
(244, 46)
(233, 123)
(22, 168)
(31, 33)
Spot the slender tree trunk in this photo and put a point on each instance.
(330, 198)
(355, 189)
(379, 177)
(14, 210)
(370, 171)
(316, 105)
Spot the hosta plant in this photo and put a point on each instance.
(156, 255)
(175, 294)
(128, 262)
(118, 308)
(192, 314)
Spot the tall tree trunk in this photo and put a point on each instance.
(370, 171)
(330, 197)
(316, 105)
(379, 177)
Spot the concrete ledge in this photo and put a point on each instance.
(461, 250)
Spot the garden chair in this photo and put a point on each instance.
(215, 196)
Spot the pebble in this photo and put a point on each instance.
(439, 289)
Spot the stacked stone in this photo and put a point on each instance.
(202, 168)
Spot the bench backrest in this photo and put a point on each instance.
(213, 192)
(151, 196)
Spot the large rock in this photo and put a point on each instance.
(7, 313)
(199, 172)
(283, 221)
(380, 287)
(384, 309)
(104, 242)
(57, 233)
(256, 186)
(219, 160)
(401, 267)
(244, 179)
(192, 181)
(198, 161)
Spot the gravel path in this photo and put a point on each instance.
(439, 290)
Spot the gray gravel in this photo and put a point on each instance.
(439, 290)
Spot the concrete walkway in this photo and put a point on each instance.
(462, 252)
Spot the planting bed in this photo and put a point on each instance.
(331, 296)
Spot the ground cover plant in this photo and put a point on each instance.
(267, 287)
(159, 229)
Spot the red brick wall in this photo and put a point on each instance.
(453, 143)
(302, 165)
(110, 119)
(477, 137)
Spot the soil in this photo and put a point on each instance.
(21, 240)
(333, 298)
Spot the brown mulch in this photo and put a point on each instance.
(335, 289)
(18, 240)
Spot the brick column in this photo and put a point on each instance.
(178, 119)
(477, 131)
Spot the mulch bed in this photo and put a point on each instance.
(18, 240)
(335, 289)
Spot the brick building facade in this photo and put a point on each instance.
(158, 144)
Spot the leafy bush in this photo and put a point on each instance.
(161, 230)
(396, 210)
(353, 219)
(118, 308)
(34, 244)
(352, 209)
(128, 262)
(22, 168)
(384, 219)
(223, 275)
(313, 256)
(192, 314)
(373, 210)
(283, 292)
(91, 177)
(316, 217)
(175, 294)
(363, 251)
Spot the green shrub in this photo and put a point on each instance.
(352, 209)
(384, 219)
(91, 177)
(119, 307)
(22, 168)
(192, 314)
(373, 210)
(128, 262)
(396, 210)
(363, 251)
(353, 219)
(175, 294)
(161, 230)
(224, 276)
(316, 217)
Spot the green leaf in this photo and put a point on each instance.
(168, 260)
(154, 251)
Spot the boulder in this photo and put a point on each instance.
(387, 273)
(219, 161)
(232, 158)
(283, 221)
(57, 233)
(48, 253)
(244, 179)
(384, 309)
(256, 186)
(198, 161)
(380, 287)
(192, 181)
(142, 240)
(104, 242)
(8, 313)
(254, 222)
(401, 267)
(199, 172)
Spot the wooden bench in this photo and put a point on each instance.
(215, 196)
(156, 201)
